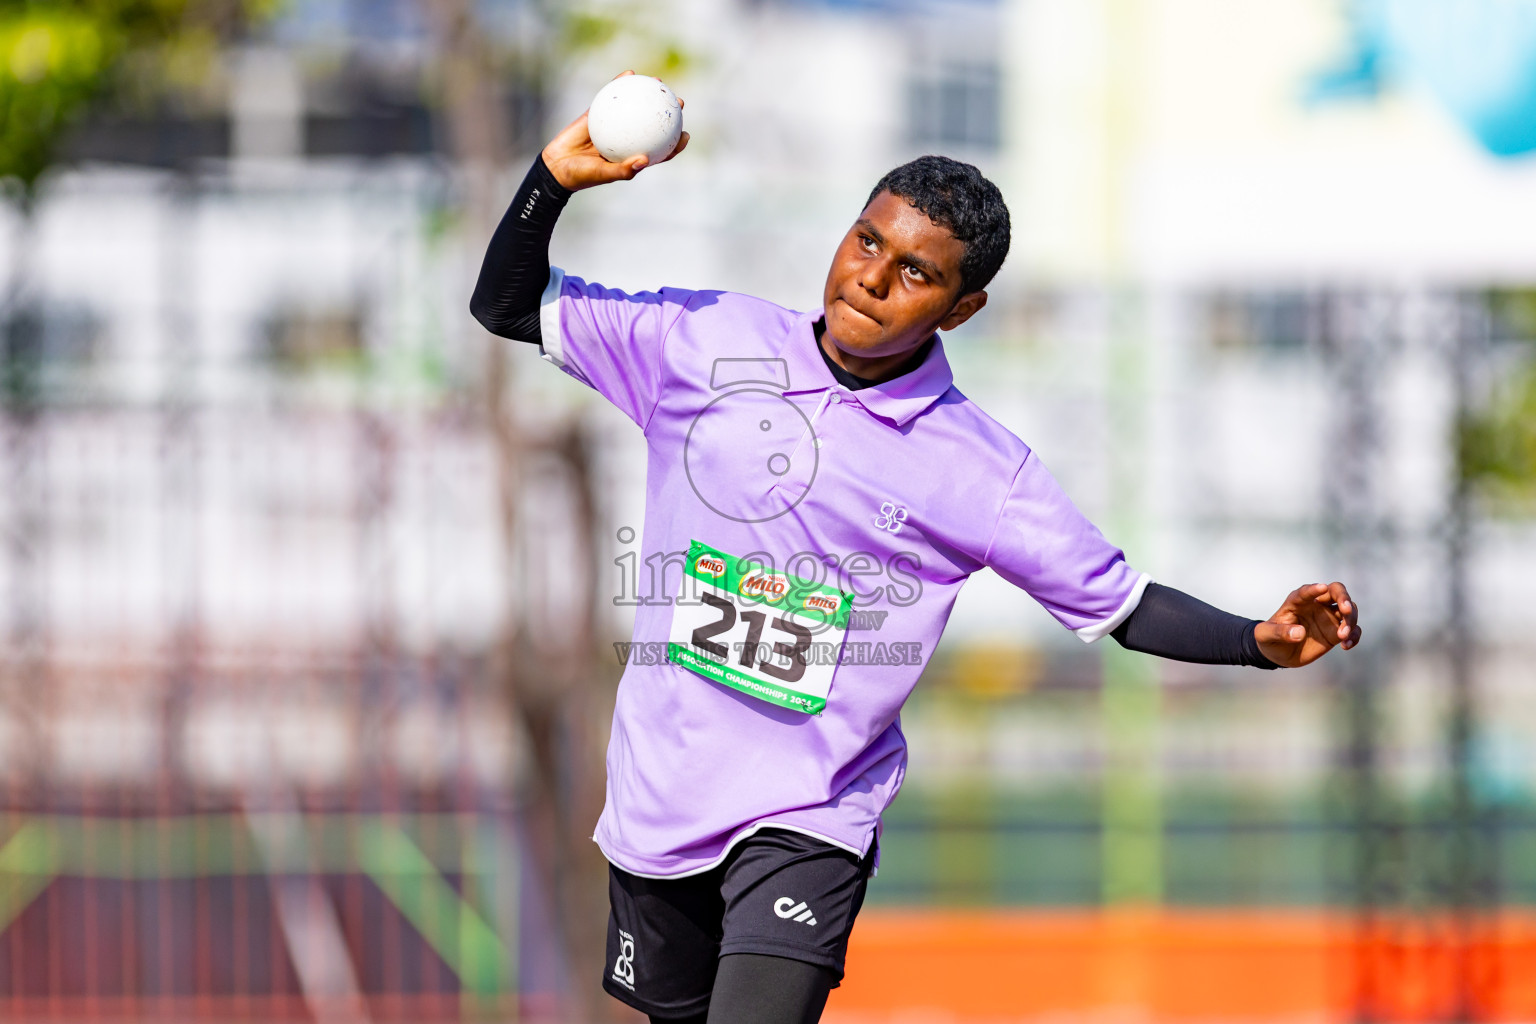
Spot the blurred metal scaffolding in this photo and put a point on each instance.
(1421, 873)
(334, 815)
(201, 821)
(302, 705)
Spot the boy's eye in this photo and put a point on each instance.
(914, 273)
(867, 242)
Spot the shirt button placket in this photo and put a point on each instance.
(803, 459)
(834, 399)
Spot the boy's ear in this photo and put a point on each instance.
(965, 307)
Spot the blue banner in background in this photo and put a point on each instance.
(1477, 57)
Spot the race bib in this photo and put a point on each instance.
(765, 633)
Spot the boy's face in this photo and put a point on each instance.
(894, 280)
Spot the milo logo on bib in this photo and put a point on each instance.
(823, 603)
(770, 635)
(770, 587)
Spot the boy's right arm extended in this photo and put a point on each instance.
(516, 267)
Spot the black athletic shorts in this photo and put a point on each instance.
(777, 892)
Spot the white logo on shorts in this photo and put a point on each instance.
(891, 517)
(785, 906)
(624, 966)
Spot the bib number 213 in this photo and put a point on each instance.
(770, 635)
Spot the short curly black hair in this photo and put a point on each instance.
(956, 196)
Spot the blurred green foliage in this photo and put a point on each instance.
(51, 65)
(588, 30)
(1514, 312)
(1225, 844)
(1497, 442)
(59, 59)
(629, 31)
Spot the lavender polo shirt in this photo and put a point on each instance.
(897, 493)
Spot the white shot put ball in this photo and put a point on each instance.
(633, 115)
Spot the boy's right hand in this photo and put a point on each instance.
(575, 162)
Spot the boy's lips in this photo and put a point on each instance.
(859, 311)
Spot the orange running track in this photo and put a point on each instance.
(1185, 965)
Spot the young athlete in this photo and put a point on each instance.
(817, 492)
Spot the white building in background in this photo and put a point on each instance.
(1156, 149)
(1170, 145)
(1182, 216)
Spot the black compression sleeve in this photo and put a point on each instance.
(754, 988)
(1171, 624)
(516, 267)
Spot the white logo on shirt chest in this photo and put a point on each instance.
(891, 517)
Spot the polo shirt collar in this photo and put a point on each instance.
(898, 400)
